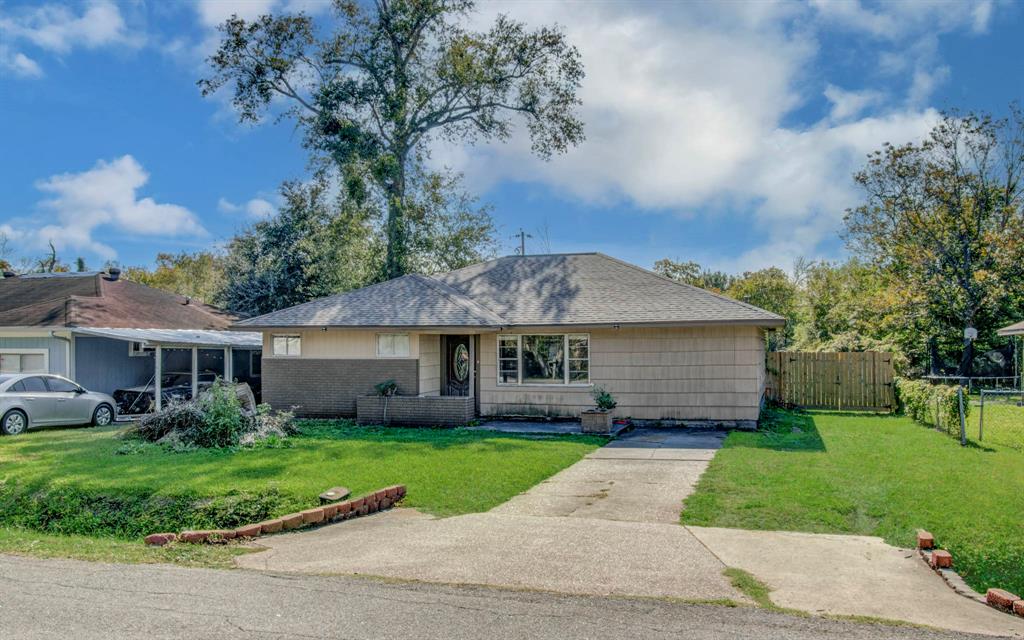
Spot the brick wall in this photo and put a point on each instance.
(412, 410)
(329, 387)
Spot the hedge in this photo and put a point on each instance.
(131, 513)
(934, 405)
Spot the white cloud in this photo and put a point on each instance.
(81, 206)
(258, 208)
(58, 29)
(18, 63)
(226, 206)
(849, 104)
(685, 112)
(214, 12)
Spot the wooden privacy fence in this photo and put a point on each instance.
(856, 380)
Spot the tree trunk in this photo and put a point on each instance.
(933, 356)
(967, 360)
(396, 229)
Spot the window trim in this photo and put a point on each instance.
(408, 343)
(274, 352)
(566, 382)
(30, 352)
(144, 352)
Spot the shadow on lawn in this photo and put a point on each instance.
(782, 430)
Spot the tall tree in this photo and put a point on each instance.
(693, 273)
(5, 253)
(310, 249)
(945, 216)
(393, 76)
(772, 290)
(198, 275)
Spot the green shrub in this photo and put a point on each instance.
(223, 423)
(131, 513)
(604, 400)
(216, 420)
(934, 405)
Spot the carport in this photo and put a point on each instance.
(219, 351)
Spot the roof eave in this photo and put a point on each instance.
(364, 327)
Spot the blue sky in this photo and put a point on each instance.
(719, 132)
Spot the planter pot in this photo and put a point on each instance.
(596, 421)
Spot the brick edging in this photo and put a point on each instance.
(353, 508)
(941, 561)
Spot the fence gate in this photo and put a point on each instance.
(855, 380)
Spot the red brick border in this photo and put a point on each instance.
(370, 503)
(942, 562)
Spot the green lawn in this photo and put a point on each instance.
(873, 475)
(1004, 423)
(72, 481)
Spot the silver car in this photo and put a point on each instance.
(30, 400)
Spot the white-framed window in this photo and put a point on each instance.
(24, 361)
(543, 359)
(139, 349)
(286, 345)
(392, 345)
(508, 359)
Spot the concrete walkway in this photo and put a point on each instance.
(605, 526)
(853, 575)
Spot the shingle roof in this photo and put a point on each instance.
(98, 300)
(410, 301)
(592, 289)
(559, 289)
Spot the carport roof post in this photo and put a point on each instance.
(158, 374)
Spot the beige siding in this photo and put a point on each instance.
(336, 343)
(430, 364)
(692, 373)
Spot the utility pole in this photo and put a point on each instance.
(522, 235)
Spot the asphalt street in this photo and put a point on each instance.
(82, 600)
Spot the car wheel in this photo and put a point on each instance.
(103, 415)
(15, 422)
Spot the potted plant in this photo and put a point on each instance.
(599, 420)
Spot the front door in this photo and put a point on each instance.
(457, 378)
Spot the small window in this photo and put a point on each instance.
(60, 385)
(392, 345)
(287, 345)
(139, 349)
(508, 359)
(29, 361)
(579, 359)
(255, 364)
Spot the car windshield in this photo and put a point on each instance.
(185, 379)
(4, 378)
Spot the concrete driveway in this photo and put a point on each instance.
(608, 525)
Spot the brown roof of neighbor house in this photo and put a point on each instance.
(585, 289)
(100, 300)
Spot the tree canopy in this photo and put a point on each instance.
(944, 216)
(376, 85)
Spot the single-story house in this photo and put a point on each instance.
(520, 335)
(107, 333)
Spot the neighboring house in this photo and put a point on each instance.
(526, 335)
(105, 332)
